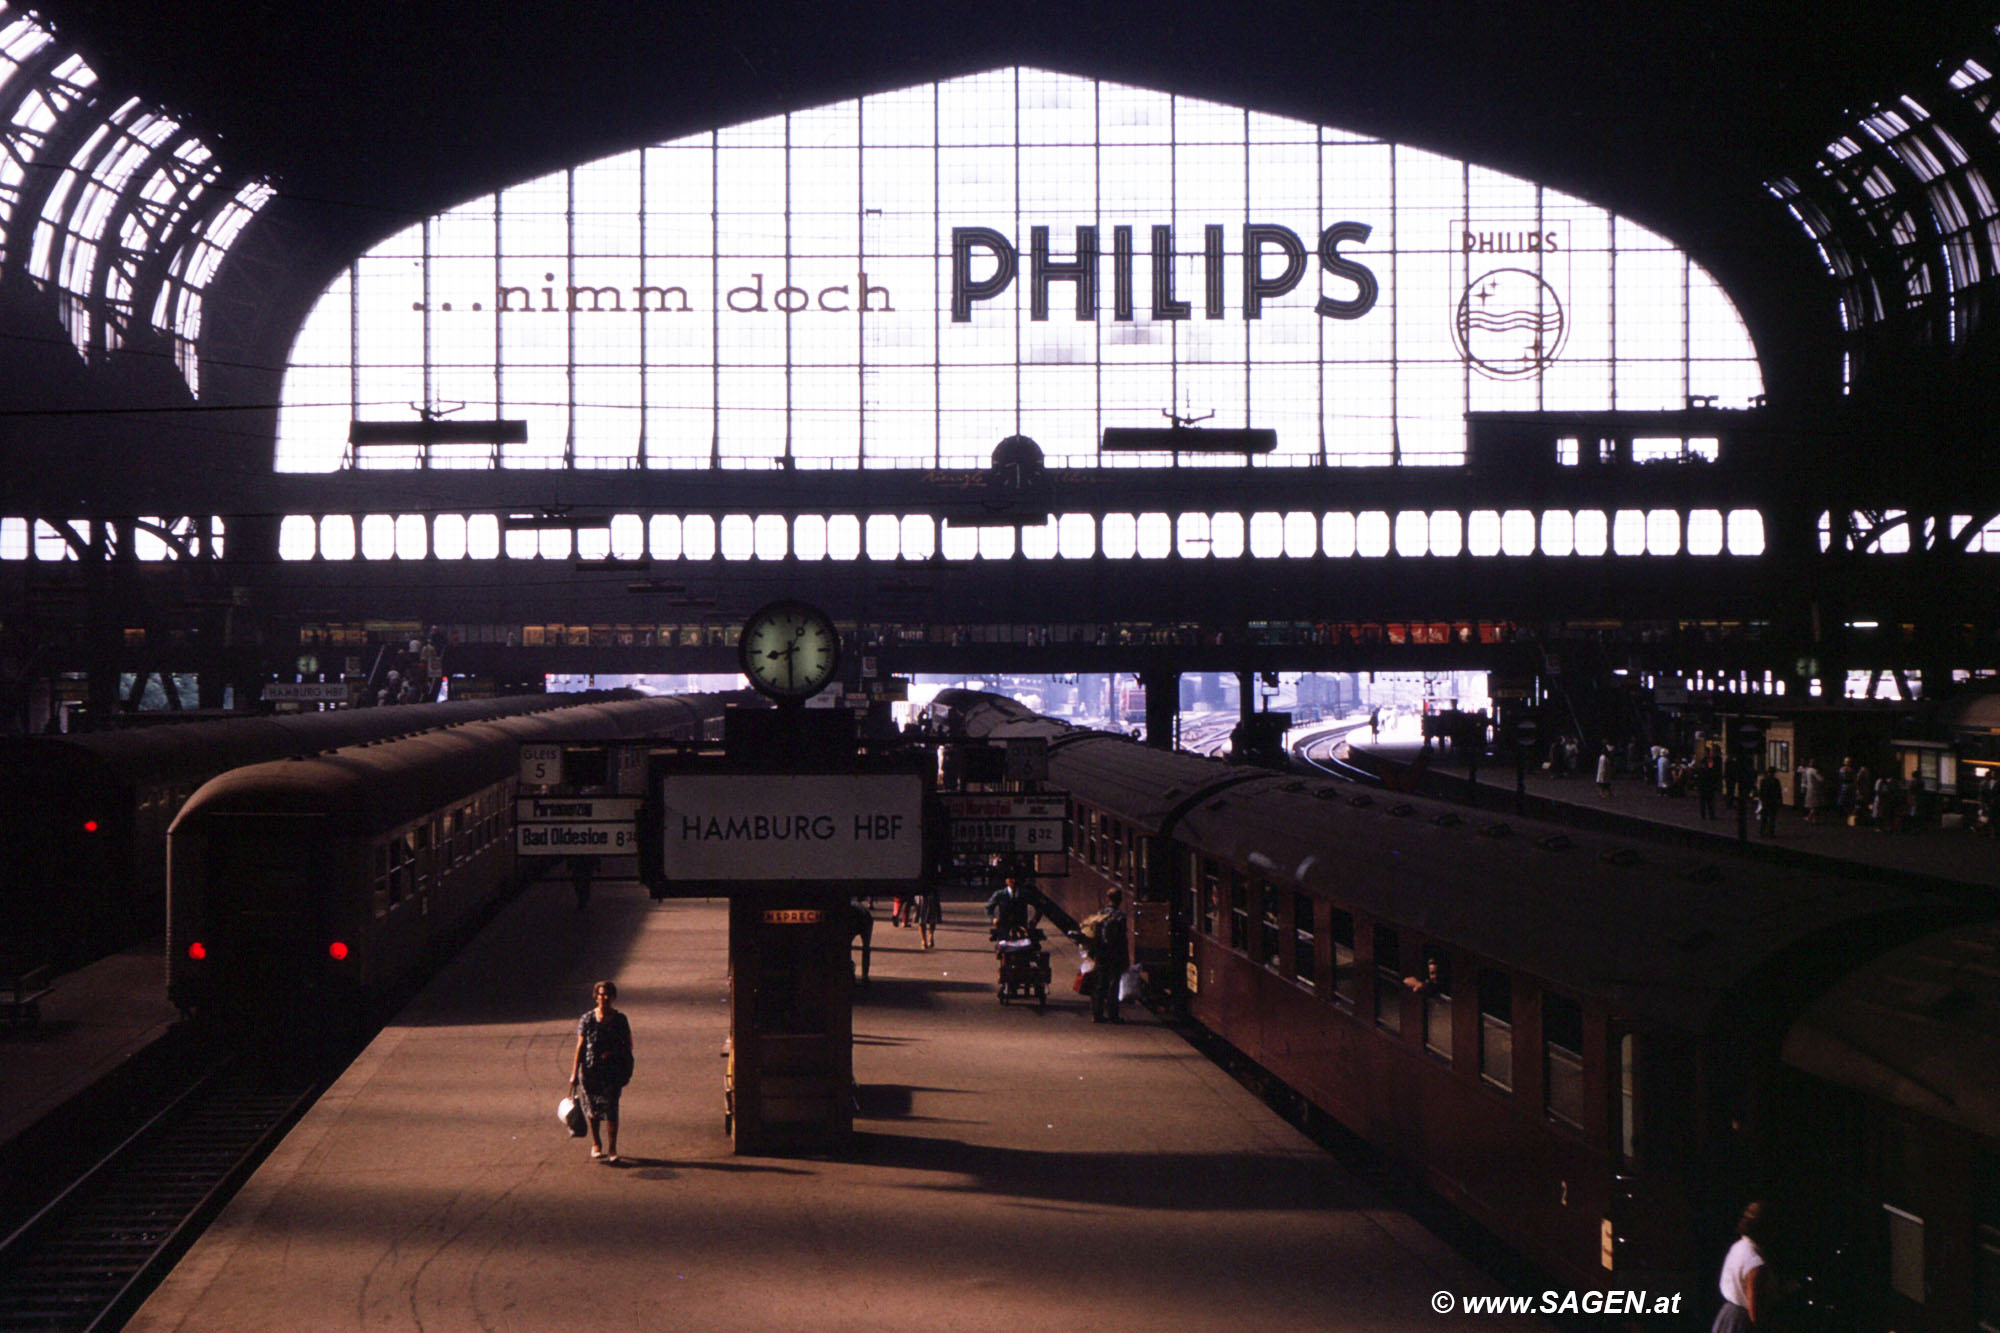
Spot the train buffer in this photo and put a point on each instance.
(22, 990)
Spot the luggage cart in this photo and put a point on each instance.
(1024, 969)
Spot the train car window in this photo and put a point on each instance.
(1305, 952)
(380, 864)
(1906, 1253)
(1210, 882)
(402, 868)
(1268, 934)
(1388, 982)
(1628, 1104)
(1496, 1029)
(1562, 1043)
(1986, 1218)
(1346, 984)
(1434, 984)
(1239, 912)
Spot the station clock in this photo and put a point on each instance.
(789, 650)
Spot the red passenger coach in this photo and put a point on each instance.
(1574, 1040)
(330, 878)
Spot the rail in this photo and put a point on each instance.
(88, 1258)
(1317, 752)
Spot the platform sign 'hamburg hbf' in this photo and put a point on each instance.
(739, 827)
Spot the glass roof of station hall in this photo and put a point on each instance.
(1903, 210)
(115, 209)
(906, 279)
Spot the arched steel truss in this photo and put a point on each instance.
(1904, 209)
(114, 211)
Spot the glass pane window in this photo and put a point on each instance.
(1906, 1254)
(1496, 1029)
(625, 307)
(1268, 951)
(1340, 936)
(1434, 985)
(1628, 1099)
(1305, 953)
(1562, 1043)
(1388, 981)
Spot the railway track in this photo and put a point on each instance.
(93, 1253)
(1319, 752)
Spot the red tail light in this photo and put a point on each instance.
(336, 951)
(197, 951)
(90, 826)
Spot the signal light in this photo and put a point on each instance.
(90, 826)
(337, 951)
(197, 951)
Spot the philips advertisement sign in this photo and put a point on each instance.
(905, 279)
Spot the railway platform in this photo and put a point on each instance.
(1011, 1167)
(1956, 855)
(102, 1030)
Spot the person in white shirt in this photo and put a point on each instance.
(1746, 1284)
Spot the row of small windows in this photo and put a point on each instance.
(1149, 536)
(412, 861)
(1153, 536)
(1284, 933)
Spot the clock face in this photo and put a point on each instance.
(789, 650)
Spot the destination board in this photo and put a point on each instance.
(1007, 821)
(575, 809)
(576, 839)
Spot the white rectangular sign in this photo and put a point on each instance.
(1007, 805)
(777, 826)
(541, 765)
(575, 809)
(577, 839)
(307, 691)
(1006, 835)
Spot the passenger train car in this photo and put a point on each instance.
(1599, 1050)
(326, 880)
(84, 817)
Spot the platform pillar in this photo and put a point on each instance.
(791, 1028)
(1163, 706)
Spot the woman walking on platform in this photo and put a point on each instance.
(927, 911)
(603, 1066)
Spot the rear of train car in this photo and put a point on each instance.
(332, 878)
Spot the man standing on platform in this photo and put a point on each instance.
(1113, 954)
(1770, 795)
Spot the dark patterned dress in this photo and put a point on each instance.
(607, 1061)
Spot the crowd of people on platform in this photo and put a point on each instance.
(1852, 794)
(406, 673)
